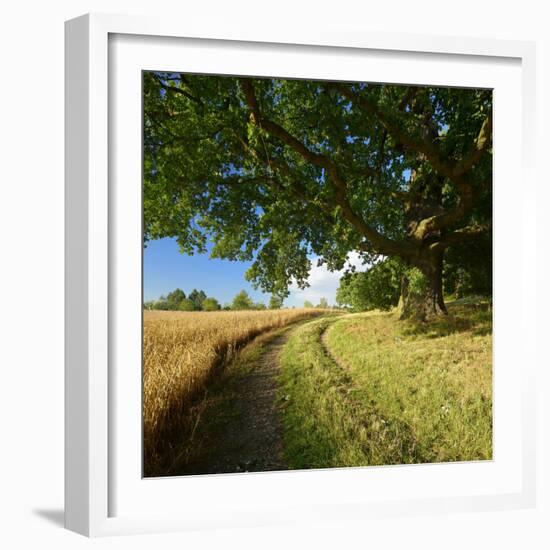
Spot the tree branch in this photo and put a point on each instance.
(402, 196)
(440, 221)
(177, 90)
(463, 235)
(423, 146)
(384, 244)
(288, 139)
(481, 144)
(455, 171)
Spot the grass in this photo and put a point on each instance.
(183, 352)
(375, 391)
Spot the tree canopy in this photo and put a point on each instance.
(274, 171)
(197, 297)
(242, 301)
(174, 298)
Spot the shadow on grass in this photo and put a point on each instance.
(475, 318)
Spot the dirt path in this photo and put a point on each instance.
(243, 432)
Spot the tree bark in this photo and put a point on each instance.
(424, 302)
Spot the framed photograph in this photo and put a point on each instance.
(289, 294)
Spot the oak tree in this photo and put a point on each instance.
(276, 171)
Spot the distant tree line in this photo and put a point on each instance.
(323, 304)
(197, 300)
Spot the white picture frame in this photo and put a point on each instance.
(99, 49)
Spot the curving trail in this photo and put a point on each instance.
(326, 348)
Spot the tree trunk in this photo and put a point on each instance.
(423, 300)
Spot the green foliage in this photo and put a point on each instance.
(210, 304)
(174, 298)
(308, 304)
(197, 297)
(468, 269)
(198, 301)
(160, 304)
(242, 301)
(417, 281)
(186, 305)
(275, 302)
(211, 174)
(377, 288)
(177, 301)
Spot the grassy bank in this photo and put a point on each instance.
(373, 390)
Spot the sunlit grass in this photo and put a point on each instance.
(398, 392)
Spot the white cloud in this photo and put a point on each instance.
(323, 283)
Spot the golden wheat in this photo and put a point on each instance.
(181, 352)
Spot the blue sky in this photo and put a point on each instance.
(165, 269)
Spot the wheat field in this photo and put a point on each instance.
(181, 353)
